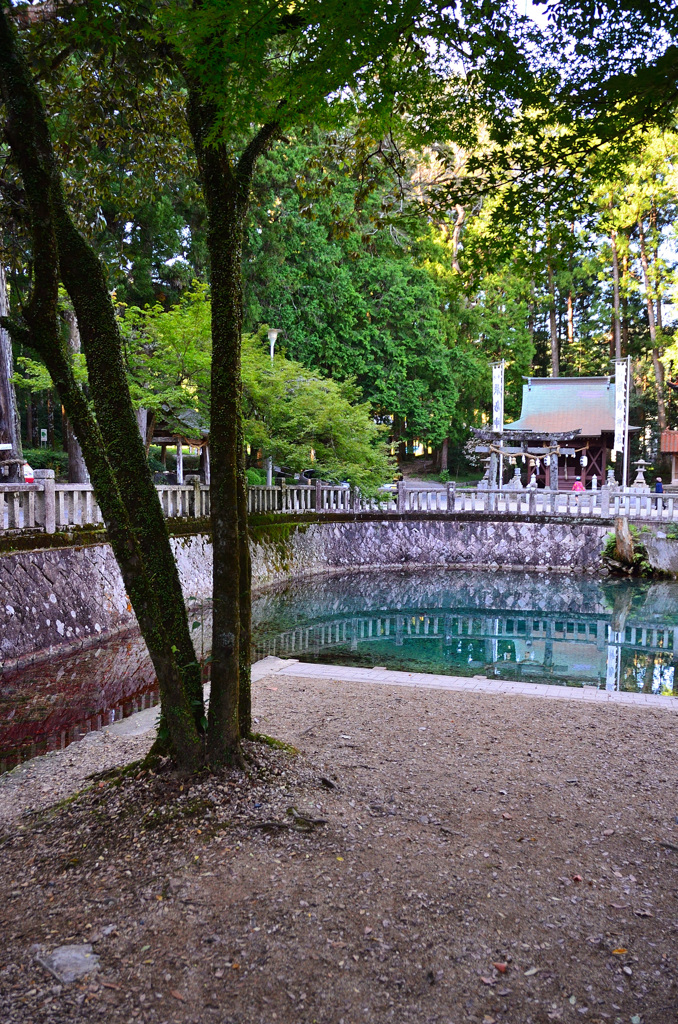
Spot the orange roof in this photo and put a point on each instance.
(670, 440)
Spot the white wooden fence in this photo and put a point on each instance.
(48, 506)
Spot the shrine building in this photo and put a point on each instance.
(577, 412)
(669, 446)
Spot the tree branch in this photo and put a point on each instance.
(259, 144)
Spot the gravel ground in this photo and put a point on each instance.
(428, 856)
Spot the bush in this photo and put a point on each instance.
(256, 477)
(47, 458)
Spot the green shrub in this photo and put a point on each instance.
(256, 477)
(47, 458)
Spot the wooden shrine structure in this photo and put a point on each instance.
(565, 430)
(185, 432)
(669, 446)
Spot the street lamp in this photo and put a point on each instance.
(273, 333)
(272, 338)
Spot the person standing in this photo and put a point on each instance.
(658, 486)
(578, 485)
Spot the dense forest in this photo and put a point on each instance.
(369, 280)
(402, 270)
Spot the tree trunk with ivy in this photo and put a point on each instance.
(85, 281)
(29, 139)
(10, 425)
(226, 190)
(245, 653)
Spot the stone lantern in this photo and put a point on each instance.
(640, 484)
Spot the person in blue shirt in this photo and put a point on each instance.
(658, 486)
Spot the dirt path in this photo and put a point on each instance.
(463, 831)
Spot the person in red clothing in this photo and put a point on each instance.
(578, 485)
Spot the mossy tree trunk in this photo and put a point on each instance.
(245, 674)
(85, 281)
(226, 190)
(126, 521)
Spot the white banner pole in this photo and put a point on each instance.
(622, 369)
(498, 408)
(627, 403)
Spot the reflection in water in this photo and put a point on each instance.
(619, 634)
(614, 634)
(52, 702)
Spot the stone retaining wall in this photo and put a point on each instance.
(317, 547)
(58, 598)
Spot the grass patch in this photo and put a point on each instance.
(271, 741)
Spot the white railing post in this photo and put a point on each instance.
(48, 510)
(13, 510)
(604, 501)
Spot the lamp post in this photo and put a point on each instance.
(273, 333)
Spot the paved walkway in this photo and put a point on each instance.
(143, 721)
(479, 684)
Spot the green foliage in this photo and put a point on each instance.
(255, 477)
(356, 297)
(290, 411)
(46, 458)
(352, 249)
(169, 355)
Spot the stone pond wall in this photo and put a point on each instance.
(59, 598)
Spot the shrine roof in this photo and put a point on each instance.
(556, 404)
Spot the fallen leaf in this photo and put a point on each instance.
(577, 878)
(531, 971)
(608, 832)
(627, 970)
(110, 984)
(502, 968)
(367, 931)
(504, 991)
(643, 913)
(488, 981)
(340, 858)
(177, 995)
(507, 817)
(619, 951)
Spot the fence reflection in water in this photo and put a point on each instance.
(466, 629)
(56, 698)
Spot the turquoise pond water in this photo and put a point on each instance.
(570, 630)
(556, 628)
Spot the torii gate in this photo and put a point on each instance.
(523, 442)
